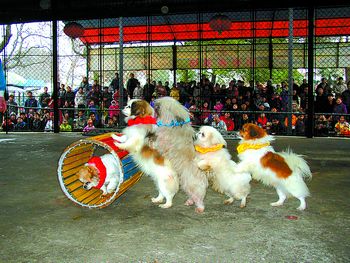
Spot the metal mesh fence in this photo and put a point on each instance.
(233, 64)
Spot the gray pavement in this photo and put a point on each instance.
(39, 224)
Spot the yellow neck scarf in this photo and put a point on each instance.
(248, 146)
(208, 149)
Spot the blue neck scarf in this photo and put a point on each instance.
(173, 123)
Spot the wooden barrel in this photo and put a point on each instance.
(78, 154)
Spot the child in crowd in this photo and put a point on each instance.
(89, 127)
(80, 122)
(342, 127)
(65, 126)
(49, 124)
(262, 121)
(219, 124)
(113, 110)
(230, 125)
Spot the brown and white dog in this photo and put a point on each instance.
(284, 171)
(100, 172)
(137, 140)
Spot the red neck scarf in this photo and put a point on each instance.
(102, 171)
(142, 120)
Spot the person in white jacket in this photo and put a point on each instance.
(80, 99)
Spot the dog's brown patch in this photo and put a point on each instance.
(141, 108)
(148, 152)
(251, 131)
(277, 164)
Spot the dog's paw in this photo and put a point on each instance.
(228, 201)
(301, 208)
(157, 200)
(109, 191)
(199, 210)
(276, 203)
(189, 202)
(165, 205)
(120, 139)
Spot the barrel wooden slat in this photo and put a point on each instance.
(80, 149)
(74, 186)
(100, 200)
(78, 164)
(88, 200)
(78, 192)
(87, 194)
(77, 157)
(70, 180)
(70, 172)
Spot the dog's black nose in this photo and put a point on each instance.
(86, 186)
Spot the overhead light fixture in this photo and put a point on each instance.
(74, 29)
(220, 23)
(164, 9)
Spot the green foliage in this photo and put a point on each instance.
(161, 75)
(185, 75)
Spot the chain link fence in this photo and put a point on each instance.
(227, 69)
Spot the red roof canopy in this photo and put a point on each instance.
(191, 31)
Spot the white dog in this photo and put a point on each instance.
(100, 172)
(285, 171)
(213, 155)
(174, 140)
(137, 140)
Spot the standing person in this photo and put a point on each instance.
(61, 96)
(80, 99)
(138, 92)
(339, 87)
(115, 83)
(30, 102)
(69, 97)
(84, 84)
(94, 94)
(106, 98)
(148, 90)
(12, 106)
(325, 86)
(44, 98)
(339, 108)
(131, 85)
(346, 96)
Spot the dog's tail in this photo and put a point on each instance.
(297, 163)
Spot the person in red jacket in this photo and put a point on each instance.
(228, 121)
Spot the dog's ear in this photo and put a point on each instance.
(137, 108)
(253, 132)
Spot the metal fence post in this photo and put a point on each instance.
(121, 69)
(290, 71)
(310, 74)
(56, 127)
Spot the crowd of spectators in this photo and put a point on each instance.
(226, 107)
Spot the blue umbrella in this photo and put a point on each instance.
(2, 89)
(2, 80)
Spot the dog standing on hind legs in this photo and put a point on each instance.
(175, 137)
(136, 139)
(213, 155)
(285, 170)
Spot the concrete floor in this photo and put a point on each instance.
(39, 224)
